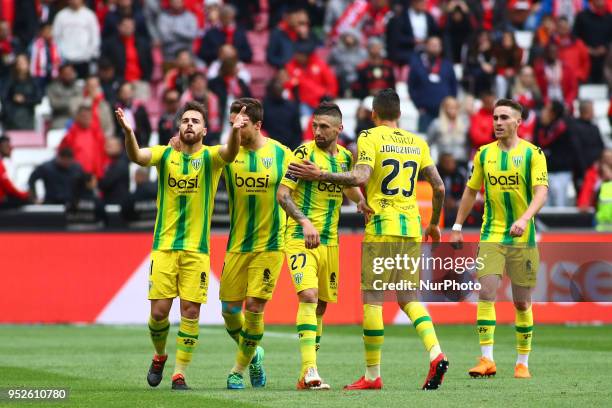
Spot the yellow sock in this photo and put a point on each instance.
(373, 336)
(524, 330)
(319, 332)
(250, 336)
(234, 320)
(485, 324)
(158, 330)
(307, 331)
(424, 327)
(186, 341)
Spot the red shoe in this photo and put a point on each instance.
(437, 368)
(363, 384)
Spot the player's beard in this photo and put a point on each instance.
(191, 138)
(323, 144)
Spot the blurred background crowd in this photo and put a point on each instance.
(65, 65)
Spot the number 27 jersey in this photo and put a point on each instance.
(396, 157)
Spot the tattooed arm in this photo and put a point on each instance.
(311, 235)
(309, 171)
(437, 201)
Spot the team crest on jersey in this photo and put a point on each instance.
(517, 160)
(267, 162)
(343, 167)
(196, 163)
(297, 278)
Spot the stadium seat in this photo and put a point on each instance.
(593, 92)
(54, 137)
(524, 39)
(26, 138)
(604, 128)
(600, 108)
(24, 160)
(458, 68)
(410, 116)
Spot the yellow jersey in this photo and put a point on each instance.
(509, 178)
(320, 201)
(396, 157)
(257, 222)
(185, 197)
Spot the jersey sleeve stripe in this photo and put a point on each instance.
(207, 193)
(179, 237)
(250, 236)
(161, 194)
(273, 242)
(486, 228)
(229, 183)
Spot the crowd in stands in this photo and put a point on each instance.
(451, 59)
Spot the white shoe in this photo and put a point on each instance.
(312, 381)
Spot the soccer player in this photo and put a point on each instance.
(389, 161)
(515, 180)
(180, 262)
(254, 254)
(312, 235)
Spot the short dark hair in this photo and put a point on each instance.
(511, 104)
(387, 104)
(4, 138)
(254, 109)
(329, 109)
(558, 108)
(195, 106)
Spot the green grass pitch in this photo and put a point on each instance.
(106, 366)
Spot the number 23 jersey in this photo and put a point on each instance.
(396, 157)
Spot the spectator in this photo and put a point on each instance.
(572, 51)
(594, 27)
(408, 31)
(178, 77)
(481, 123)
(375, 73)
(58, 176)
(178, 28)
(508, 57)
(458, 27)
(333, 11)
(151, 11)
(21, 97)
(542, 36)
(228, 52)
(135, 113)
(10, 196)
(448, 132)
(431, 79)
(526, 92)
(608, 72)
(600, 171)
(26, 21)
(131, 55)
(518, 12)
(555, 79)
(77, 34)
(310, 78)
(115, 183)
(479, 64)
(454, 177)
(368, 17)
(62, 92)
(9, 47)
(492, 15)
(345, 57)
(198, 91)
(560, 148)
(86, 211)
(588, 137)
(108, 80)
(44, 58)
(226, 87)
(102, 114)
(167, 125)
(141, 205)
(228, 33)
(364, 115)
(249, 14)
(124, 9)
(281, 120)
(294, 28)
(86, 141)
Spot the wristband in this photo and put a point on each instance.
(457, 227)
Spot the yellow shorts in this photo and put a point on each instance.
(250, 274)
(314, 269)
(179, 273)
(387, 246)
(520, 263)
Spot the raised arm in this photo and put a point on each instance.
(229, 151)
(134, 153)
